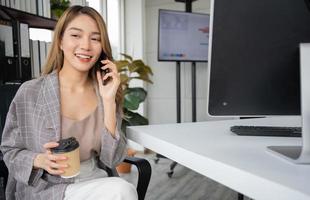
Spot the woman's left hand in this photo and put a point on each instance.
(112, 80)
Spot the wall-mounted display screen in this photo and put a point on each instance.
(183, 36)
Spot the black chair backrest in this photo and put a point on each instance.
(7, 93)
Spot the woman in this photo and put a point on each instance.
(70, 99)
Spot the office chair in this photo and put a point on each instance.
(7, 93)
(172, 165)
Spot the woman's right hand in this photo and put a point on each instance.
(47, 160)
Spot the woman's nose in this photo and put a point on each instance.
(85, 43)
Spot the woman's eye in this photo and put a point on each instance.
(96, 39)
(74, 35)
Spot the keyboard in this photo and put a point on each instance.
(273, 131)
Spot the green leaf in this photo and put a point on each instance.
(132, 67)
(127, 56)
(131, 102)
(135, 119)
(138, 92)
(124, 79)
(132, 119)
(121, 65)
(148, 69)
(139, 63)
(138, 66)
(133, 97)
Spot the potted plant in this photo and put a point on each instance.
(131, 69)
(58, 7)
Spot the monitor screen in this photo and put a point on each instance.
(182, 36)
(254, 56)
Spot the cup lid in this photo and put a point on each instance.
(66, 145)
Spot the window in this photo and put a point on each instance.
(40, 34)
(114, 21)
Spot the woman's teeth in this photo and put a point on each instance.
(82, 56)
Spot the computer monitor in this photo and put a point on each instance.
(254, 57)
(183, 36)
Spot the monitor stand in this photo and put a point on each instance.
(300, 154)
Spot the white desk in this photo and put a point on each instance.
(242, 163)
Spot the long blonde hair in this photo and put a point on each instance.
(55, 57)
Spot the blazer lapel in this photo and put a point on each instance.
(52, 103)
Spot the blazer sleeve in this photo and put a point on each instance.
(113, 149)
(17, 158)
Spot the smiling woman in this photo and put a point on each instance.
(68, 100)
(81, 44)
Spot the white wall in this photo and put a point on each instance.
(161, 106)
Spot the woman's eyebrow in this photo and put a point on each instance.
(95, 33)
(78, 29)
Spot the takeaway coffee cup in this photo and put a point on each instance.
(70, 148)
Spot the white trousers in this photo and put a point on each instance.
(93, 184)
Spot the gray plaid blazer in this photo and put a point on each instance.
(33, 120)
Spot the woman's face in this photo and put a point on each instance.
(81, 43)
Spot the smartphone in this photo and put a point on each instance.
(98, 66)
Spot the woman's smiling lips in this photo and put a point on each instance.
(83, 57)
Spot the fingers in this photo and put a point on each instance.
(112, 70)
(53, 164)
(50, 145)
(55, 158)
(109, 65)
(55, 171)
(55, 168)
(113, 76)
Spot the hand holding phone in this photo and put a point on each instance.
(109, 79)
(98, 66)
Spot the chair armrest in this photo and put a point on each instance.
(145, 171)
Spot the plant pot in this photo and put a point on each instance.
(125, 168)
